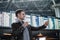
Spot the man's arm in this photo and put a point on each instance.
(41, 27)
(38, 28)
(16, 29)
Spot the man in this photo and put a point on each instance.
(22, 29)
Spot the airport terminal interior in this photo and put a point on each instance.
(37, 13)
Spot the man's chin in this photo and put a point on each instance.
(22, 19)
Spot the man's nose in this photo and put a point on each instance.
(24, 16)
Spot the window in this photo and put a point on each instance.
(35, 20)
(5, 19)
(28, 19)
(0, 19)
(13, 18)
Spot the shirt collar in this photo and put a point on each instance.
(19, 20)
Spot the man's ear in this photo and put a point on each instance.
(18, 14)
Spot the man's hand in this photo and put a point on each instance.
(46, 23)
(25, 24)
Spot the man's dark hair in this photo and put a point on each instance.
(18, 12)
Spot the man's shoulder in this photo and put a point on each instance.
(16, 23)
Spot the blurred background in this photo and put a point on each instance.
(37, 13)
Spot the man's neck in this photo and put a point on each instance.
(19, 19)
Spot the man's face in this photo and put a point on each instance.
(21, 15)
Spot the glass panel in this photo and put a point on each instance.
(0, 19)
(13, 18)
(59, 24)
(28, 19)
(5, 19)
(35, 21)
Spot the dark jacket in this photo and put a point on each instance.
(18, 29)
